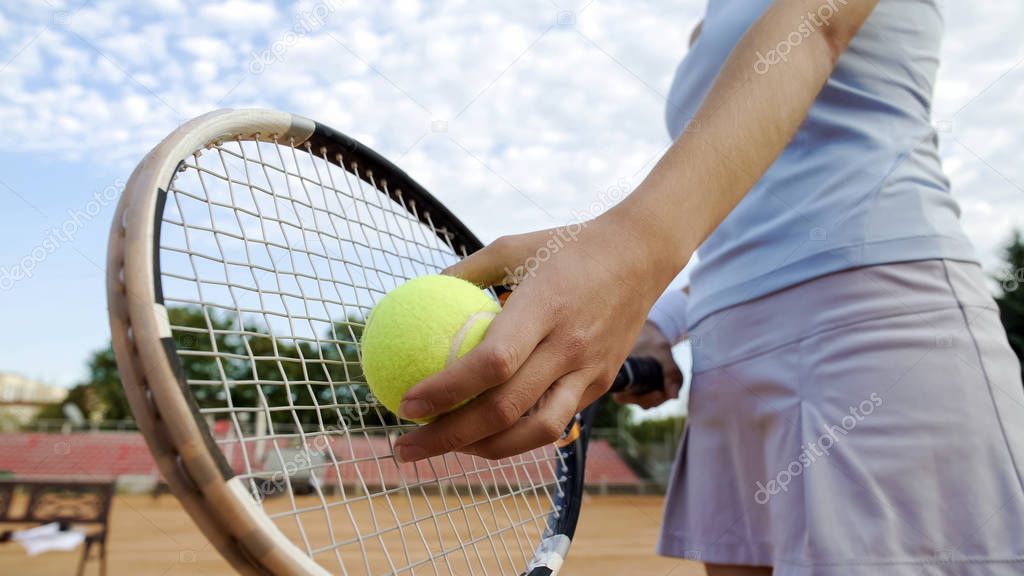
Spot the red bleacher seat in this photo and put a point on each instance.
(125, 453)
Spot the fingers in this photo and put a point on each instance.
(544, 425)
(511, 338)
(671, 385)
(673, 378)
(645, 401)
(595, 390)
(652, 343)
(490, 265)
(495, 410)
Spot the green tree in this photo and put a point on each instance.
(214, 348)
(100, 396)
(106, 384)
(81, 395)
(322, 380)
(652, 430)
(611, 414)
(1011, 299)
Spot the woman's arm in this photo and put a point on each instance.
(754, 108)
(571, 321)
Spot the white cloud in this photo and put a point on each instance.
(979, 85)
(241, 14)
(208, 47)
(543, 118)
(542, 115)
(167, 6)
(133, 50)
(204, 71)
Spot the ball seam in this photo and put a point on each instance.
(453, 352)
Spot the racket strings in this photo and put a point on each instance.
(271, 259)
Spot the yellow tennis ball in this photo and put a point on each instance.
(419, 328)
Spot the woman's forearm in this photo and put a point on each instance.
(753, 109)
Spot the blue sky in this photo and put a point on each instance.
(518, 115)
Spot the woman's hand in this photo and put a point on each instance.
(583, 294)
(587, 289)
(652, 344)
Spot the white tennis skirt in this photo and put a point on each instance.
(867, 422)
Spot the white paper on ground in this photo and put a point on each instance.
(48, 537)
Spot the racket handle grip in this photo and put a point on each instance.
(639, 375)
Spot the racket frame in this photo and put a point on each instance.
(151, 372)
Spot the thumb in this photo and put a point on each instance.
(496, 263)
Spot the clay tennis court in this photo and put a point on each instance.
(616, 533)
(616, 536)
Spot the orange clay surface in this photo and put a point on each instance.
(616, 536)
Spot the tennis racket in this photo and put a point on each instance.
(246, 252)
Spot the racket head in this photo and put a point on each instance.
(215, 366)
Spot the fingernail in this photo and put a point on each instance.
(409, 453)
(414, 408)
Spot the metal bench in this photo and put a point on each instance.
(67, 502)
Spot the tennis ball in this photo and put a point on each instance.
(419, 328)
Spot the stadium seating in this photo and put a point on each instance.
(126, 454)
